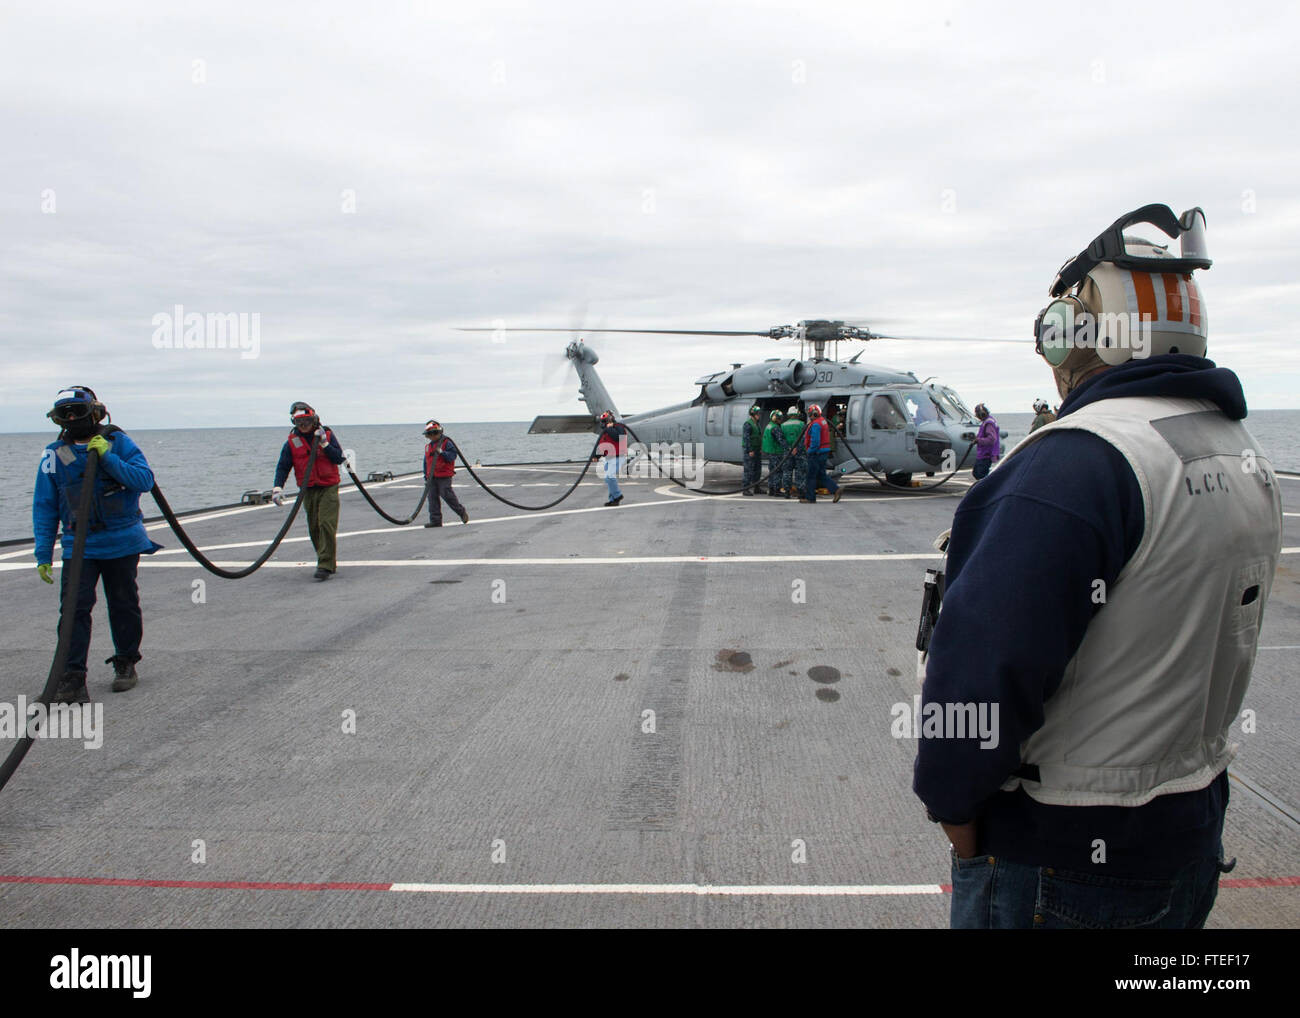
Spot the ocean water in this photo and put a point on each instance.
(200, 467)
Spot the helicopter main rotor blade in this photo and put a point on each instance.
(650, 332)
(955, 339)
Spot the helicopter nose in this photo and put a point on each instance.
(932, 443)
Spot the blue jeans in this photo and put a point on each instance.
(817, 476)
(996, 894)
(611, 468)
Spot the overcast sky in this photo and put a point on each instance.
(366, 177)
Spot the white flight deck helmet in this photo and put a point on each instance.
(1124, 297)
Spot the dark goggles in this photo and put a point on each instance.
(70, 413)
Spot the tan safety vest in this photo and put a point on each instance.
(1147, 701)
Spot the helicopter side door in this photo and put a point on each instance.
(717, 443)
(887, 431)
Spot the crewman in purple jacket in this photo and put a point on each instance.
(988, 443)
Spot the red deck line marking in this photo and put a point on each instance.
(1261, 882)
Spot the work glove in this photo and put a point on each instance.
(46, 572)
(277, 496)
(320, 436)
(100, 445)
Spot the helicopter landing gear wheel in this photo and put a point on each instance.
(899, 479)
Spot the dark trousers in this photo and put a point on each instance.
(818, 477)
(753, 468)
(774, 471)
(442, 491)
(123, 598)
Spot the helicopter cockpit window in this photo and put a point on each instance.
(885, 415)
(920, 407)
(960, 410)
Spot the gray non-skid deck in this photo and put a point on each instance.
(500, 674)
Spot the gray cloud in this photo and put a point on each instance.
(736, 166)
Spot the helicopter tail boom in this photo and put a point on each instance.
(590, 389)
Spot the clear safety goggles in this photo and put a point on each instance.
(1111, 245)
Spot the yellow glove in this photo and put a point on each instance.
(99, 444)
(46, 572)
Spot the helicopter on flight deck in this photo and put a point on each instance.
(892, 422)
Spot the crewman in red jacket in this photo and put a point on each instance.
(440, 457)
(817, 440)
(321, 499)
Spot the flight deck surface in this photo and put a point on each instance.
(455, 729)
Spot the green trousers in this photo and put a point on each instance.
(322, 505)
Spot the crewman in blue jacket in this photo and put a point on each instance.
(115, 534)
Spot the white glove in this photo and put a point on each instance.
(320, 436)
(277, 496)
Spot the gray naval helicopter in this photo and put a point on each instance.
(892, 423)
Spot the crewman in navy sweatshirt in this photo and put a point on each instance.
(1111, 575)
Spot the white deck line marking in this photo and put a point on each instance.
(679, 496)
(690, 493)
(621, 560)
(220, 514)
(1294, 646)
(699, 890)
(410, 529)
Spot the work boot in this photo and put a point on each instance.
(428, 525)
(464, 515)
(124, 676)
(322, 574)
(71, 689)
(836, 496)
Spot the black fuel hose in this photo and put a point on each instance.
(884, 479)
(428, 484)
(527, 508)
(234, 574)
(68, 620)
